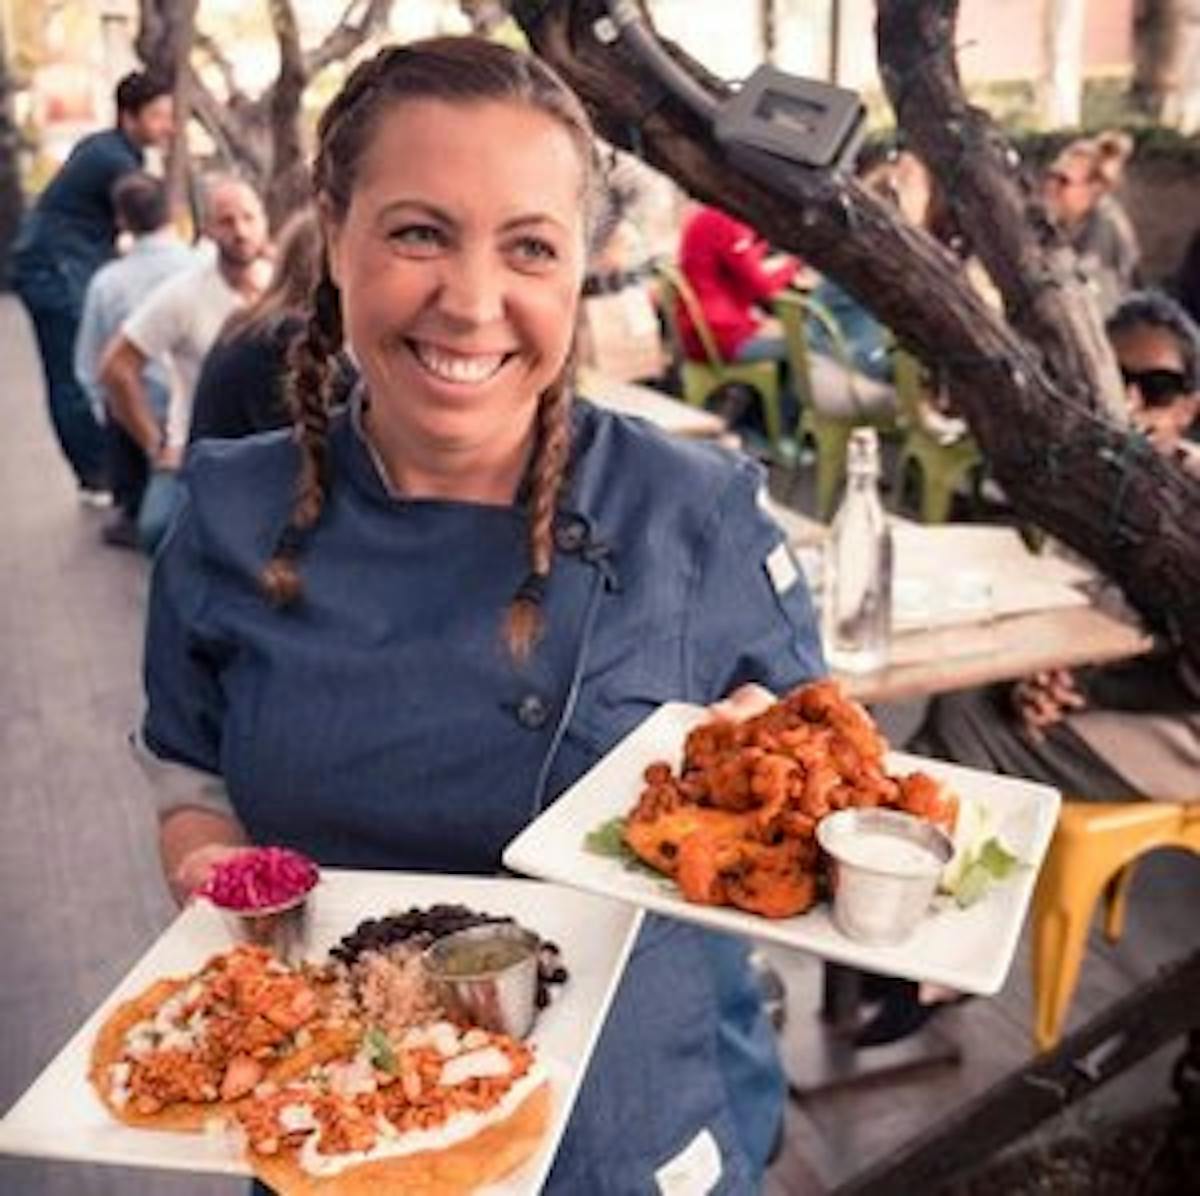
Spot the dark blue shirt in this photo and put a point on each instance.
(382, 722)
(74, 216)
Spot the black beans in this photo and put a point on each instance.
(422, 926)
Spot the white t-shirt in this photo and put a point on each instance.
(176, 325)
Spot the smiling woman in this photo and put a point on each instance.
(475, 585)
(461, 302)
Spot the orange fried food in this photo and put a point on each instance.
(776, 880)
(920, 794)
(737, 824)
(657, 838)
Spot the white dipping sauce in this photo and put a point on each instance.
(882, 852)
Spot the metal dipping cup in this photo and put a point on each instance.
(881, 895)
(282, 928)
(502, 999)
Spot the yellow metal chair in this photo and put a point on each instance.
(1093, 853)
(700, 378)
(829, 433)
(941, 467)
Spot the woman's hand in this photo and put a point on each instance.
(1045, 699)
(169, 458)
(194, 869)
(745, 702)
(192, 842)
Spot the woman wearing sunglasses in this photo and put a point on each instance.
(1078, 190)
(1124, 732)
(1156, 346)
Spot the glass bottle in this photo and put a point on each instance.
(857, 580)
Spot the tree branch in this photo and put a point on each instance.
(227, 126)
(348, 34)
(1081, 476)
(288, 188)
(1027, 258)
(224, 67)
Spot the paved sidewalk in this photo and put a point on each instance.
(79, 878)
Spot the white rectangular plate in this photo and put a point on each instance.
(969, 949)
(61, 1117)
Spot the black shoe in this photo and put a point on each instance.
(874, 987)
(122, 532)
(901, 1014)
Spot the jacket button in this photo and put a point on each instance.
(571, 534)
(532, 711)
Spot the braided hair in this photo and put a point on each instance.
(455, 70)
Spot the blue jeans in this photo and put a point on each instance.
(55, 303)
(762, 347)
(159, 505)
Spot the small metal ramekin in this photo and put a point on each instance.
(283, 928)
(503, 1000)
(876, 903)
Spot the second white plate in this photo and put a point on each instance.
(61, 1117)
(968, 949)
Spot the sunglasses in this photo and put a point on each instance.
(1158, 388)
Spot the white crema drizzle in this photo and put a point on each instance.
(455, 1129)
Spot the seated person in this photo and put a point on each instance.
(867, 390)
(1078, 195)
(1121, 732)
(240, 389)
(724, 261)
(619, 332)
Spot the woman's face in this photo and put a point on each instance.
(1069, 189)
(460, 262)
(1160, 402)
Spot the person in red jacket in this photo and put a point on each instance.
(723, 260)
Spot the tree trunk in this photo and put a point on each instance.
(1060, 87)
(1040, 391)
(287, 189)
(258, 137)
(179, 162)
(769, 25)
(1166, 78)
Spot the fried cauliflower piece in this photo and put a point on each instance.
(737, 825)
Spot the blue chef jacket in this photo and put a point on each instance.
(382, 723)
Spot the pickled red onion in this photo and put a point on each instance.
(259, 878)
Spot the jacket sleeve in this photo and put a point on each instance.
(749, 615)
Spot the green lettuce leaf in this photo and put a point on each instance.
(608, 840)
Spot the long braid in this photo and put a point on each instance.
(308, 400)
(524, 621)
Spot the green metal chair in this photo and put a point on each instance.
(941, 468)
(700, 379)
(829, 433)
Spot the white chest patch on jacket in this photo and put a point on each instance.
(694, 1171)
(781, 568)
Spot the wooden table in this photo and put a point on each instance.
(965, 655)
(672, 415)
(948, 658)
